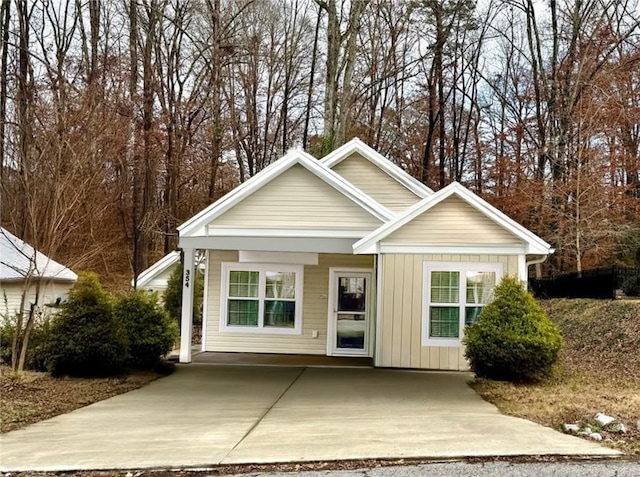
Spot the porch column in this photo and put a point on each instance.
(186, 328)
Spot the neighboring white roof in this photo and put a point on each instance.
(384, 164)
(534, 244)
(157, 268)
(18, 260)
(195, 224)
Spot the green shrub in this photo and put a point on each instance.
(513, 340)
(86, 338)
(39, 338)
(150, 330)
(173, 296)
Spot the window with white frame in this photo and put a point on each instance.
(455, 293)
(261, 298)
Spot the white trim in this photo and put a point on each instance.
(205, 301)
(297, 258)
(523, 271)
(325, 232)
(506, 249)
(377, 354)
(533, 243)
(271, 244)
(188, 281)
(334, 272)
(462, 267)
(377, 159)
(157, 268)
(292, 158)
(261, 268)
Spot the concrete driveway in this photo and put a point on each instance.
(207, 415)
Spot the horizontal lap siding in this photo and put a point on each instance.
(11, 295)
(297, 199)
(376, 183)
(315, 309)
(451, 222)
(401, 317)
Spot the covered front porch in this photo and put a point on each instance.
(288, 307)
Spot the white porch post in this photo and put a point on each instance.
(187, 305)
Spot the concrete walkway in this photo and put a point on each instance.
(207, 415)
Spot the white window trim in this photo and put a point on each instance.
(261, 268)
(461, 267)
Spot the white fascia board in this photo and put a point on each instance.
(532, 241)
(463, 249)
(214, 231)
(271, 172)
(270, 244)
(161, 265)
(397, 173)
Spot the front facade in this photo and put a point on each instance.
(349, 256)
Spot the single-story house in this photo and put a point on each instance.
(349, 256)
(156, 277)
(21, 268)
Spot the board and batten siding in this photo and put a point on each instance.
(314, 309)
(376, 183)
(297, 199)
(402, 290)
(452, 222)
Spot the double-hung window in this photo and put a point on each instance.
(455, 293)
(261, 298)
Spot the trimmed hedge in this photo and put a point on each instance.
(513, 340)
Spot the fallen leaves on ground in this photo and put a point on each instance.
(33, 397)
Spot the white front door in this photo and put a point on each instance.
(349, 327)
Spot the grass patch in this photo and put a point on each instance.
(599, 371)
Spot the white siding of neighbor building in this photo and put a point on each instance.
(403, 292)
(159, 283)
(315, 309)
(11, 295)
(297, 199)
(376, 183)
(452, 222)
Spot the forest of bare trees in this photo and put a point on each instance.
(119, 119)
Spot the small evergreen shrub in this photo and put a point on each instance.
(513, 340)
(39, 338)
(150, 330)
(86, 338)
(173, 296)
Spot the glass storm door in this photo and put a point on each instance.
(349, 320)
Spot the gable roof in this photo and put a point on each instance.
(18, 260)
(157, 268)
(357, 146)
(534, 244)
(295, 157)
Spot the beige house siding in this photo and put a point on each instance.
(376, 183)
(297, 199)
(401, 311)
(315, 309)
(11, 295)
(452, 222)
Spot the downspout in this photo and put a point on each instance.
(539, 260)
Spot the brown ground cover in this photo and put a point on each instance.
(34, 397)
(599, 371)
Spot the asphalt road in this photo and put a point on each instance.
(492, 469)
